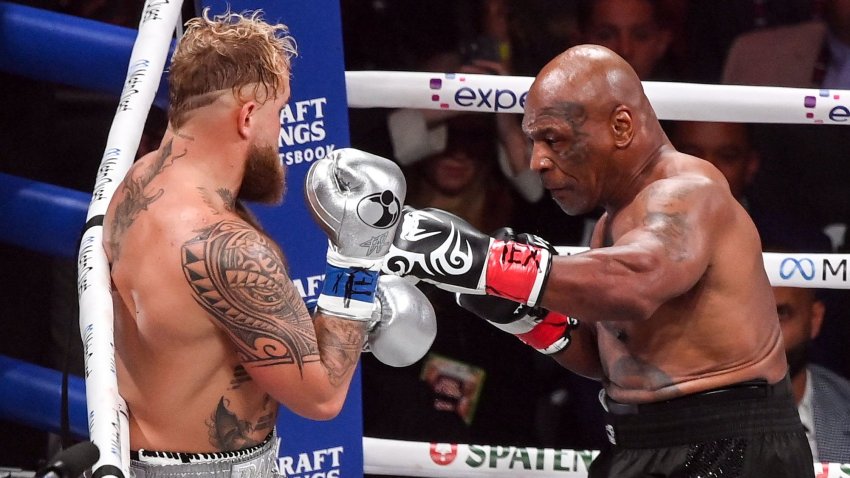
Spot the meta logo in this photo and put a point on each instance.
(837, 114)
(493, 99)
(791, 266)
(807, 269)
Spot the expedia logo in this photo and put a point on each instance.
(443, 453)
(379, 210)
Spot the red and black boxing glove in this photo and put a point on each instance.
(542, 329)
(438, 247)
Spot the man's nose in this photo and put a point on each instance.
(539, 160)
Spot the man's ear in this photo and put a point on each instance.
(245, 119)
(622, 126)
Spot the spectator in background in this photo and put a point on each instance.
(463, 178)
(810, 54)
(822, 396)
(637, 30)
(806, 174)
(711, 27)
(725, 145)
(416, 134)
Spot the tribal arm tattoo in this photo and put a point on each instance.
(239, 277)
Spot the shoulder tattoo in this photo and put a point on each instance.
(137, 196)
(238, 276)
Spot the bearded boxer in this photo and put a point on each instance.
(210, 332)
(671, 309)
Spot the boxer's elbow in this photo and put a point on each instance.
(317, 408)
(324, 411)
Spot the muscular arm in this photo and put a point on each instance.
(238, 276)
(657, 249)
(582, 356)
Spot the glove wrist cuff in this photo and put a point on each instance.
(349, 292)
(517, 271)
(334, 258)
(551, 334)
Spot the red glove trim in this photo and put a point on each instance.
(552, 328)
(517, 271)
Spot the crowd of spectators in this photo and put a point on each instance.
(478, 384)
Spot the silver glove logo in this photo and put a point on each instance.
(380, 210)
(449, 258)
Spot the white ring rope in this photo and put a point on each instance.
(107, 411)
(671, 101)
(447, 460)
(814, 271)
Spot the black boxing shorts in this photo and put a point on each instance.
(751, 429)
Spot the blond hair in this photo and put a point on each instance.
(228, 51)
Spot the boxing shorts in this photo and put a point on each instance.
(260, 461)
(750, 429)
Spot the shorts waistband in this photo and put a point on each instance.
(732, 393)
(746, 411)
(177, 458)
(258, 461)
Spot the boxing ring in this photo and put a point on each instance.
(96, 408)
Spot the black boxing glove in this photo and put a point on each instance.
(438, 247)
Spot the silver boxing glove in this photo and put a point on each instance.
(356, 198)
(405, 323)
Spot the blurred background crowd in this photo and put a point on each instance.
(477, 384)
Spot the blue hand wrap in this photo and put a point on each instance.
(349, 291)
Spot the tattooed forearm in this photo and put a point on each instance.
(340, 342)
(239, 278)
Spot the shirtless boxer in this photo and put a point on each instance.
(210, 332)
(675, 313)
